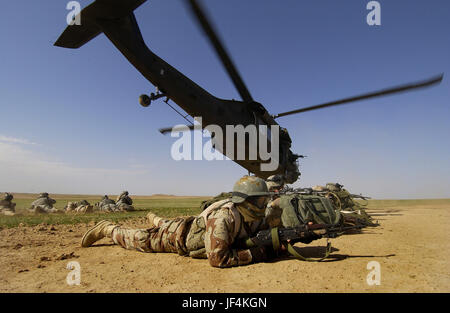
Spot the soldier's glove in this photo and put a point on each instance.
(262, 254)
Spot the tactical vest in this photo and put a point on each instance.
(195, 239)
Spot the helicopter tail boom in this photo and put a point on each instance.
(76, 36)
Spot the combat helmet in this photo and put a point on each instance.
(334, 187)
(249, 186)
(275, 181)
(7, 196)
(43, 195)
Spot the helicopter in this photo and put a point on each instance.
(116, 19)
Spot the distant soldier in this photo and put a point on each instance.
(106, 205)
(213, 234)
(82, 206)
(340, 196)
(352, 211)
(124, 202)
(7, 207)
(107, 200)
(275, 184)
(44, 204)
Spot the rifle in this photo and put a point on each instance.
(359, 197)
(304, 233)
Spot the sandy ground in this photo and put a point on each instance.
(411, 245)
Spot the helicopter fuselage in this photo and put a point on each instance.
(123, 31)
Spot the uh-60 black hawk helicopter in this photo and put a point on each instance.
(115, 18)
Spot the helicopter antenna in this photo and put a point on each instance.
(181, 114)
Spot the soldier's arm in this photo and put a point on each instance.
(218, 240)
(273, 215)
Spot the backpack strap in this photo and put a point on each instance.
(297, 255)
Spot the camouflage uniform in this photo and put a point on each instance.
(7, 207)
(212, 234)
(352, 211)
(273, 211)
(216, 234)
(44, 204)
(124, 202)
(106, 205)
(82, 206)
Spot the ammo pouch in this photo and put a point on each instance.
(195, 239)
(302, 209)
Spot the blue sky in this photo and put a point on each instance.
(71, 122)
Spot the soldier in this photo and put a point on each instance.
(124, 202)
(106, 200)
(7, 207)
(106, 205)
(275, 183)
(213, 234)
(44, 204)
(82, 206)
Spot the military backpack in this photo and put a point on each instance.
(301, 209)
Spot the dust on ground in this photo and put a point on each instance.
(411, 246)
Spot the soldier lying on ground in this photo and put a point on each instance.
(7, 207)
(352, 211)
(210, 235)
(124, 202)
(275, 184)
(106, 205)
(82, 206)
(44, 204)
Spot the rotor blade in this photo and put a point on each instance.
(384, 92)
(202, 19)
(176, 129)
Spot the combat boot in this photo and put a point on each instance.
(153, 220)
(101, 230)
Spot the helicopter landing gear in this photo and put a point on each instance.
(145, 100)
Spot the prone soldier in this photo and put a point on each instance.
(124, 202)
(275, 184)
(212, 235)
(7, 207)
(106, 205)
(43, 204)
(82, 206)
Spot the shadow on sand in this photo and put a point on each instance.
(318, 252)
